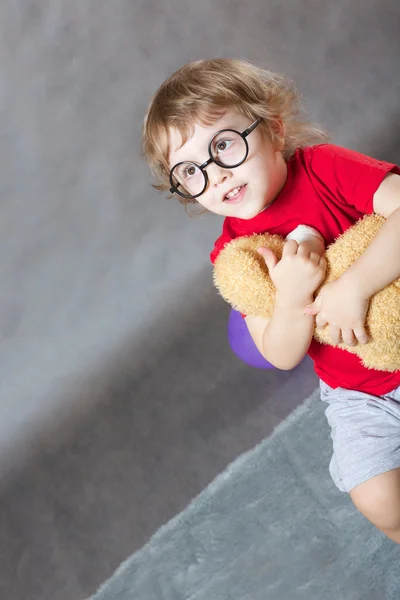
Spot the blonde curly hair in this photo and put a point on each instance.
(201, 92)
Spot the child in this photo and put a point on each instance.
(229, 136)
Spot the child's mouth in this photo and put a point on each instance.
(235, 195)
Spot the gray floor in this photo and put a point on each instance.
(154, 439)
(119, 397)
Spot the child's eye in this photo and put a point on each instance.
(223, 145)
(188, 171)
(191, 170)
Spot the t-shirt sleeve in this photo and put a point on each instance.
(351, 177)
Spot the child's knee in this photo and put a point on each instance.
(379, 500)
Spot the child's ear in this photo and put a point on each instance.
(279, 134)
(280, 144)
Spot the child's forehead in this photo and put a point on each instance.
(198, 135)
(193, 135)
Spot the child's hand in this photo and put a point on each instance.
(343, 308)
(297, 275)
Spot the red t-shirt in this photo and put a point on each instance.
(329, 188)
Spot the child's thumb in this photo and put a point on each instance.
(269, 256)
(312, 309)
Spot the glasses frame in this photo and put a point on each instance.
(174, 187)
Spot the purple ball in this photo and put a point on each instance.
(242, 343)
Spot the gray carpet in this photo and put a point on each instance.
(271, 526)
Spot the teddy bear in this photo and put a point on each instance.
(241, 278)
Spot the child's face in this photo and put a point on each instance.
(258, 180)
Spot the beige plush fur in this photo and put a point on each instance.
(242, 279)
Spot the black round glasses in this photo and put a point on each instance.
(227, 148)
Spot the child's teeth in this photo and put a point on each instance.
(233, 192)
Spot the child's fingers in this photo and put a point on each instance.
(269, 256)
(335, 333)
(348, 337)
(322, 264)
(320, 321)
(290, 248)
(361, 334)
(315, 258)
(304, 250)
(313, 309)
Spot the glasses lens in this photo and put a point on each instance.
(190, 178)
(228, 148)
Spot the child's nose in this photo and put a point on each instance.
(217, 174)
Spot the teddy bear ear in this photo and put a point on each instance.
(242, 279)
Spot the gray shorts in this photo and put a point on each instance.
(365, 434)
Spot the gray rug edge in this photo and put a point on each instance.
(235, 465)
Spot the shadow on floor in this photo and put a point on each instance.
(150, 434)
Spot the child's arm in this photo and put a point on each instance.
(380, 264)
(284, 339)
(343, 304)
